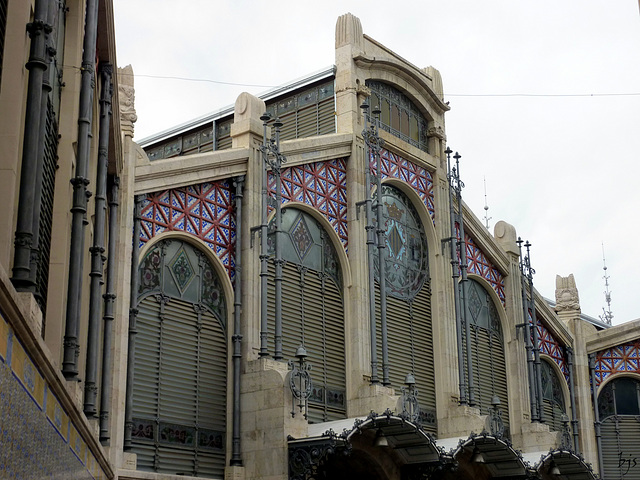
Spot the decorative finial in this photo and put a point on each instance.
(607, 315)
(486, 206)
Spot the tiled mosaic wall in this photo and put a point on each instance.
(37, 439)
(623, 358)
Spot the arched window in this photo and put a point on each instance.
(487, 350)
(312, 310)
(399, 116)
(408, 290)
(619, 409)
(180, 371)
(553, 397)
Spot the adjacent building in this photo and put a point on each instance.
(305, 294)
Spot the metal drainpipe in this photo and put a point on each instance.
(463, 285)
(39, 172)
(97, 250)
(572, 394)
(264, 254)
(23, 279)
(109, 303)
(80, 182)
(536, 343)
(456, 292)
(533, 405)
(133, 315)
(276, 169)
(370, 259)
(236, 456)
(596, 413)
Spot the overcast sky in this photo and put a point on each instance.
(544, 96)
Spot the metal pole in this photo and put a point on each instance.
(133, 315)
(463, 283)
(596, 413)
(109, 303)
(97, 250)
(276, 165)
(23, 279)
(264, 254)
(536, 340)
(572, 394)
(236, 456)
(382, 246)
(370, 257)
(80, 182)
(455, 273)
(533, 403)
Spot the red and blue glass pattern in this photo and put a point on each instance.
(549, 345)
(419, 178)
(623, 358)
(322, 185)
(204, 210)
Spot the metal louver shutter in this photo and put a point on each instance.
(324, 336)
(489, 372)
(180, 388)
(620, 448)
(410, 343)
(326, 116)
(553, 415)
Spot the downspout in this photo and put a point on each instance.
(109, 304)
(97, 250)
(23, 279)
(572, 394)
(455, 273)
(596, 413)
(276, 169)
(236, 456)
(133, 315)
(264, 254)
(463, 285)
(536, 341)
(533, 405)
(80, 182)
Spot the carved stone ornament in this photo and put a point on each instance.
(126, 94)
(566, 294)
(436, 131)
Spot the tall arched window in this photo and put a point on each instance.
(312, 310)
(409, 324)
(619, 409)
(553, 398)
(180, 371)
(487, 351)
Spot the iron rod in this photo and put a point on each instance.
(278, 262)
(596, 413)
(23, 279)
(264, 254)
(109, 304)
(80, 182)
(536, 341)
(455, 273)
(236, 455)
(133, 315)
(533, 403)
(572, 395)
(462, 245)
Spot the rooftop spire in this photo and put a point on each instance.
(486, 207)
(606, 313)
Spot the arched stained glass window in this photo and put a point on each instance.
(408, 289)
(312, 310)
(619, 410)
(487, 350)
(553, 398)
(399, 115)
(180, 371)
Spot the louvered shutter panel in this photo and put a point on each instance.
(553, 415)
(620, 448)
(405, 326)
(326, 116)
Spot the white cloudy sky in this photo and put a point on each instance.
(544, 96)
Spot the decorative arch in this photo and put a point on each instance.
(555, 393)
(180, 389)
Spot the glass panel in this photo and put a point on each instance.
(626, 397)
(404, 123)
(413, 128)
(395, 118)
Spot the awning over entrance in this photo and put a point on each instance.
(559, 464)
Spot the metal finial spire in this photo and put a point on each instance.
(486, 207)
(607, 315)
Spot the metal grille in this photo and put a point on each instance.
(3, 27)
(318, 303)
(46, 207)
(620, 448)
(553, 398)
(410, 342)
